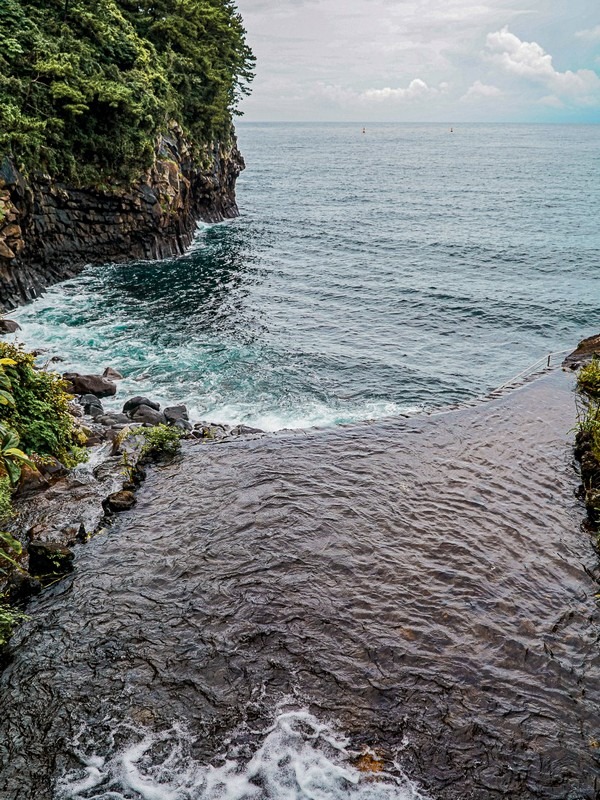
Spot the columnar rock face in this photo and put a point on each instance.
(49, 231)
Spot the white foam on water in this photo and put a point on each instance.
(298, 758)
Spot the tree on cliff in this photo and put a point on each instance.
(86, 86)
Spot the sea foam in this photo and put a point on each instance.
(298, 758)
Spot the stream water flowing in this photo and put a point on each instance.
(280, 616)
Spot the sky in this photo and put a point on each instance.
(424, 60)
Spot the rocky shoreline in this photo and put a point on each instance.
(49, 230)
(57, 509)
(586, 359)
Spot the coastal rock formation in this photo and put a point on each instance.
(49, 231)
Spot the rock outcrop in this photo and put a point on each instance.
(49, 231)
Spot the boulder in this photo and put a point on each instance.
(112, 374)
(90, 384)
(31, 481)
(183, 425)
(110, 419)
(148, 416)
(49, 558)
(91, 405)
(52, 468)
(244, 430)
(119, 501)
(137, 401)
(175, 413)
(9, 326)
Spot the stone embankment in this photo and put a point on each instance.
(49, 231)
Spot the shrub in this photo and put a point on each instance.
(6, 509)
(588, 379)
(161, 440)
(40, 414)
(9, 617)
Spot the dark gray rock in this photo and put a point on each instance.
(9, 326)
(90, 384)
(174, 413)
(183, 425)
(112, 374)
(110, 419)
(244, 430)
(119, 501)
(92, 405)
(51, 468)
(148, 416)
(47, 558)
(131, 405)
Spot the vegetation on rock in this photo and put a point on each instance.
(588, 378)
(87, 86)
(587, 440)
(39, 414)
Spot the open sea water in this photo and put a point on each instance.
(368, 275)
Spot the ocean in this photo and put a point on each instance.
(369, 274)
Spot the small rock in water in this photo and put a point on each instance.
(31, 481)
(91, 405)
(244, 430)
(9, 326)
(52, 468)
(148, 415)
(119, 501)
(112, 374)
(137, 401)
(183, 425)
(175, 413)
(90, 384)
(49, 557)
(109, 420)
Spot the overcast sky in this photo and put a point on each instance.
(422, 60)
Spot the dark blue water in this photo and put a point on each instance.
(368, 275)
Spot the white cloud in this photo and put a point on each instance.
(480, 91)
(590, 34)
(416, 89)
(529, 60)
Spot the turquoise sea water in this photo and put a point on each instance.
(368, 274)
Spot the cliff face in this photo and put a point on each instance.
(49, 231)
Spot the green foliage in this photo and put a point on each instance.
(588, 424)
(8, 545)
(40, 415)
(6, 509)
(161, 440)
(11, 457)
(9, 618)
(87, 86)
(588, 378)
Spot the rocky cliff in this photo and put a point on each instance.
(49, 231)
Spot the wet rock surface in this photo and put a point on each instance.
(90, 384)
(9, 326)
(423, 582)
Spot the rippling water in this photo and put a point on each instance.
(274, 606)
(368, 275)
